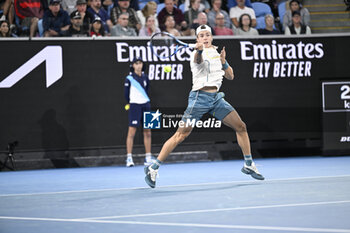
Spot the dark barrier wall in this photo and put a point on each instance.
(60, 94)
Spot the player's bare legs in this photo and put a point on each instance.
(234, 121)
(152, 170)
(147, 139)
(181, 134)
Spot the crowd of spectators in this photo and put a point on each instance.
(84, 18)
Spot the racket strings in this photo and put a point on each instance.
(164, 45)
(163, 41)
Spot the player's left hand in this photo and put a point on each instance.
(223, 55)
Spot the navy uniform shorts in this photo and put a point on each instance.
(136, 113)
(201, 102)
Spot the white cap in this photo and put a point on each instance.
(203, 28)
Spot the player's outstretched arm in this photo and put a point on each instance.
(198, 58)
(225, 66)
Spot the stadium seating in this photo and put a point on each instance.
(142, 5)
(260, 22)
(41, 28)
(160, 7)
(281, 11)
(261, 9)
(182, 7)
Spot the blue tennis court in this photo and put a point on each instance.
(298, 195)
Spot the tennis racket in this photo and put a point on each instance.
(162, 41)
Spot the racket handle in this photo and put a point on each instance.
(192, 45)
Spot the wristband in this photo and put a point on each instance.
(225, 66)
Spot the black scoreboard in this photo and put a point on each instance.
(336, 115)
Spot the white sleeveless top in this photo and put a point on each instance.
(209, 72)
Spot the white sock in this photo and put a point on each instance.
(129, 155)
(248, 159)
(148, 155)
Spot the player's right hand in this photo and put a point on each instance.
(199, 46)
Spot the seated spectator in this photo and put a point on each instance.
(76, 28)
(192, 14)
(203, 5)
(97, 30)
(202, 19)
(123, 6)
(169, 9)
(295, 5)
(68, 5)
(29, 14)
(220, 29)
(245, 26)
(5, 29)
(97, 10)
(268, 30)
(122, 28)
(87, 17)
(170, 26)
(297, 27)
(56, 21)
(237, 11)
(150, 27)
(149, 9)
(217, 4)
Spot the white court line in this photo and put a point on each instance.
(302, 229)
(219, 210)
(171, 186)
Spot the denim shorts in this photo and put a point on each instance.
(201, 102)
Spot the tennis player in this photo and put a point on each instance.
(136, 88)
(208, 69)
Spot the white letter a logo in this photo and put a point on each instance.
(54, 68)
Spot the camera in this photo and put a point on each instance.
(10, 157)
(11, 146)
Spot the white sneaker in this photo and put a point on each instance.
(253, 171)
(129, 162)
(151, 175)
(149, 160)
